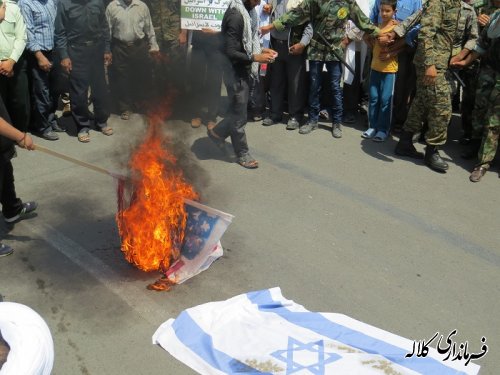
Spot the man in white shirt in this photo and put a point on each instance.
(132, 40)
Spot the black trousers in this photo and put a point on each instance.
(404, 88)
(11, 204)
(88, 71)
(131, 75)
(16, 96)
(288, 80)
(233, 125)
(43, 93)
(206, 74)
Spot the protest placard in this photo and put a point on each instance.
(199, 14)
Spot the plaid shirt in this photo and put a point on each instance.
(39, 19)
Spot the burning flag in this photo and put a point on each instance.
(151, 215)
(158, 220)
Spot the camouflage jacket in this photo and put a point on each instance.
(166, 18)
(439, 25)
(329, 18)
(467, 33)
(488, 44)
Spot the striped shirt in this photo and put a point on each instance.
(39, 17)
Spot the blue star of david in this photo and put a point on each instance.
(314, 347)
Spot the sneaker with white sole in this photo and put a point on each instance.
(5, 250)
(26, 208)
(337, 130)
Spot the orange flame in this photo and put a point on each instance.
(152, 226)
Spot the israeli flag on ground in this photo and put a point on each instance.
(264, 333)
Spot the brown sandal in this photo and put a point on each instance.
(196, 122)
(246, 161)
(477, 174)
(107, 130)
(84, 137)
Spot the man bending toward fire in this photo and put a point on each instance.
(242, 48)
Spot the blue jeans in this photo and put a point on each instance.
(381, 91)
(334, 70)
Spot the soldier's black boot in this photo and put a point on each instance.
(433, 159)
(405, 146)
(471, 151)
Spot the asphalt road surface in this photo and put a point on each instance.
(340, 225)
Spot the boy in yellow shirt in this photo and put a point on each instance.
(382, 78)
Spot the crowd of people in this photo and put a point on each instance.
(406, 62)
(403, 62)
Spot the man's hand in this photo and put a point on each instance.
(67, 65)
(345, 42)
(108, 59)
(483, 19)
(267, 56)
(2, 12)
(43, 62)
(7, 67)
(386, 38)
(266, 29)
(297, 49)
(26, 142)
(430, 75)
(207, 30)
(183, 37)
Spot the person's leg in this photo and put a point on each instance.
(42, 108)
(121, 77)
(297, 83)
(140, 71)
(374, 103)
(79, 86)
(100, 93)
(385, 109)
(238, 136)
(351, 92)
(199, 65)
(18, 101)
(315, 70)
(404, 88)
(335, 74)
(278, 81)
(214, 83)
(489, 144)
(11, 204)
(439, 115)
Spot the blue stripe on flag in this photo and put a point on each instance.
(319, 324)
(192, 336)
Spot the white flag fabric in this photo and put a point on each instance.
(264, 333)
(31, 346)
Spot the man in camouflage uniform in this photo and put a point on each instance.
(463, 43)
(488, 98)
(439, 25)
(484, 8)
(166, 19)
(329, 19)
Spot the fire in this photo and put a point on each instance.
(152, 226)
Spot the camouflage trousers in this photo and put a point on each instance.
(491, 99)
(432, 105)
(485, 86)
(469, 76)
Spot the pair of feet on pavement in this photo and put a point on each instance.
(197, 122)
(26, 209)
(292, 124)
(310, 126)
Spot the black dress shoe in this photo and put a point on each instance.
(434, 161)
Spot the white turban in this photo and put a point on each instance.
(29, 339)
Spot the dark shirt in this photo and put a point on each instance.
(232, 29)
(80, 21)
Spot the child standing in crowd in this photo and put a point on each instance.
(382, 78)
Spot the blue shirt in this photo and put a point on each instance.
(404, 9)
(39, 17)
